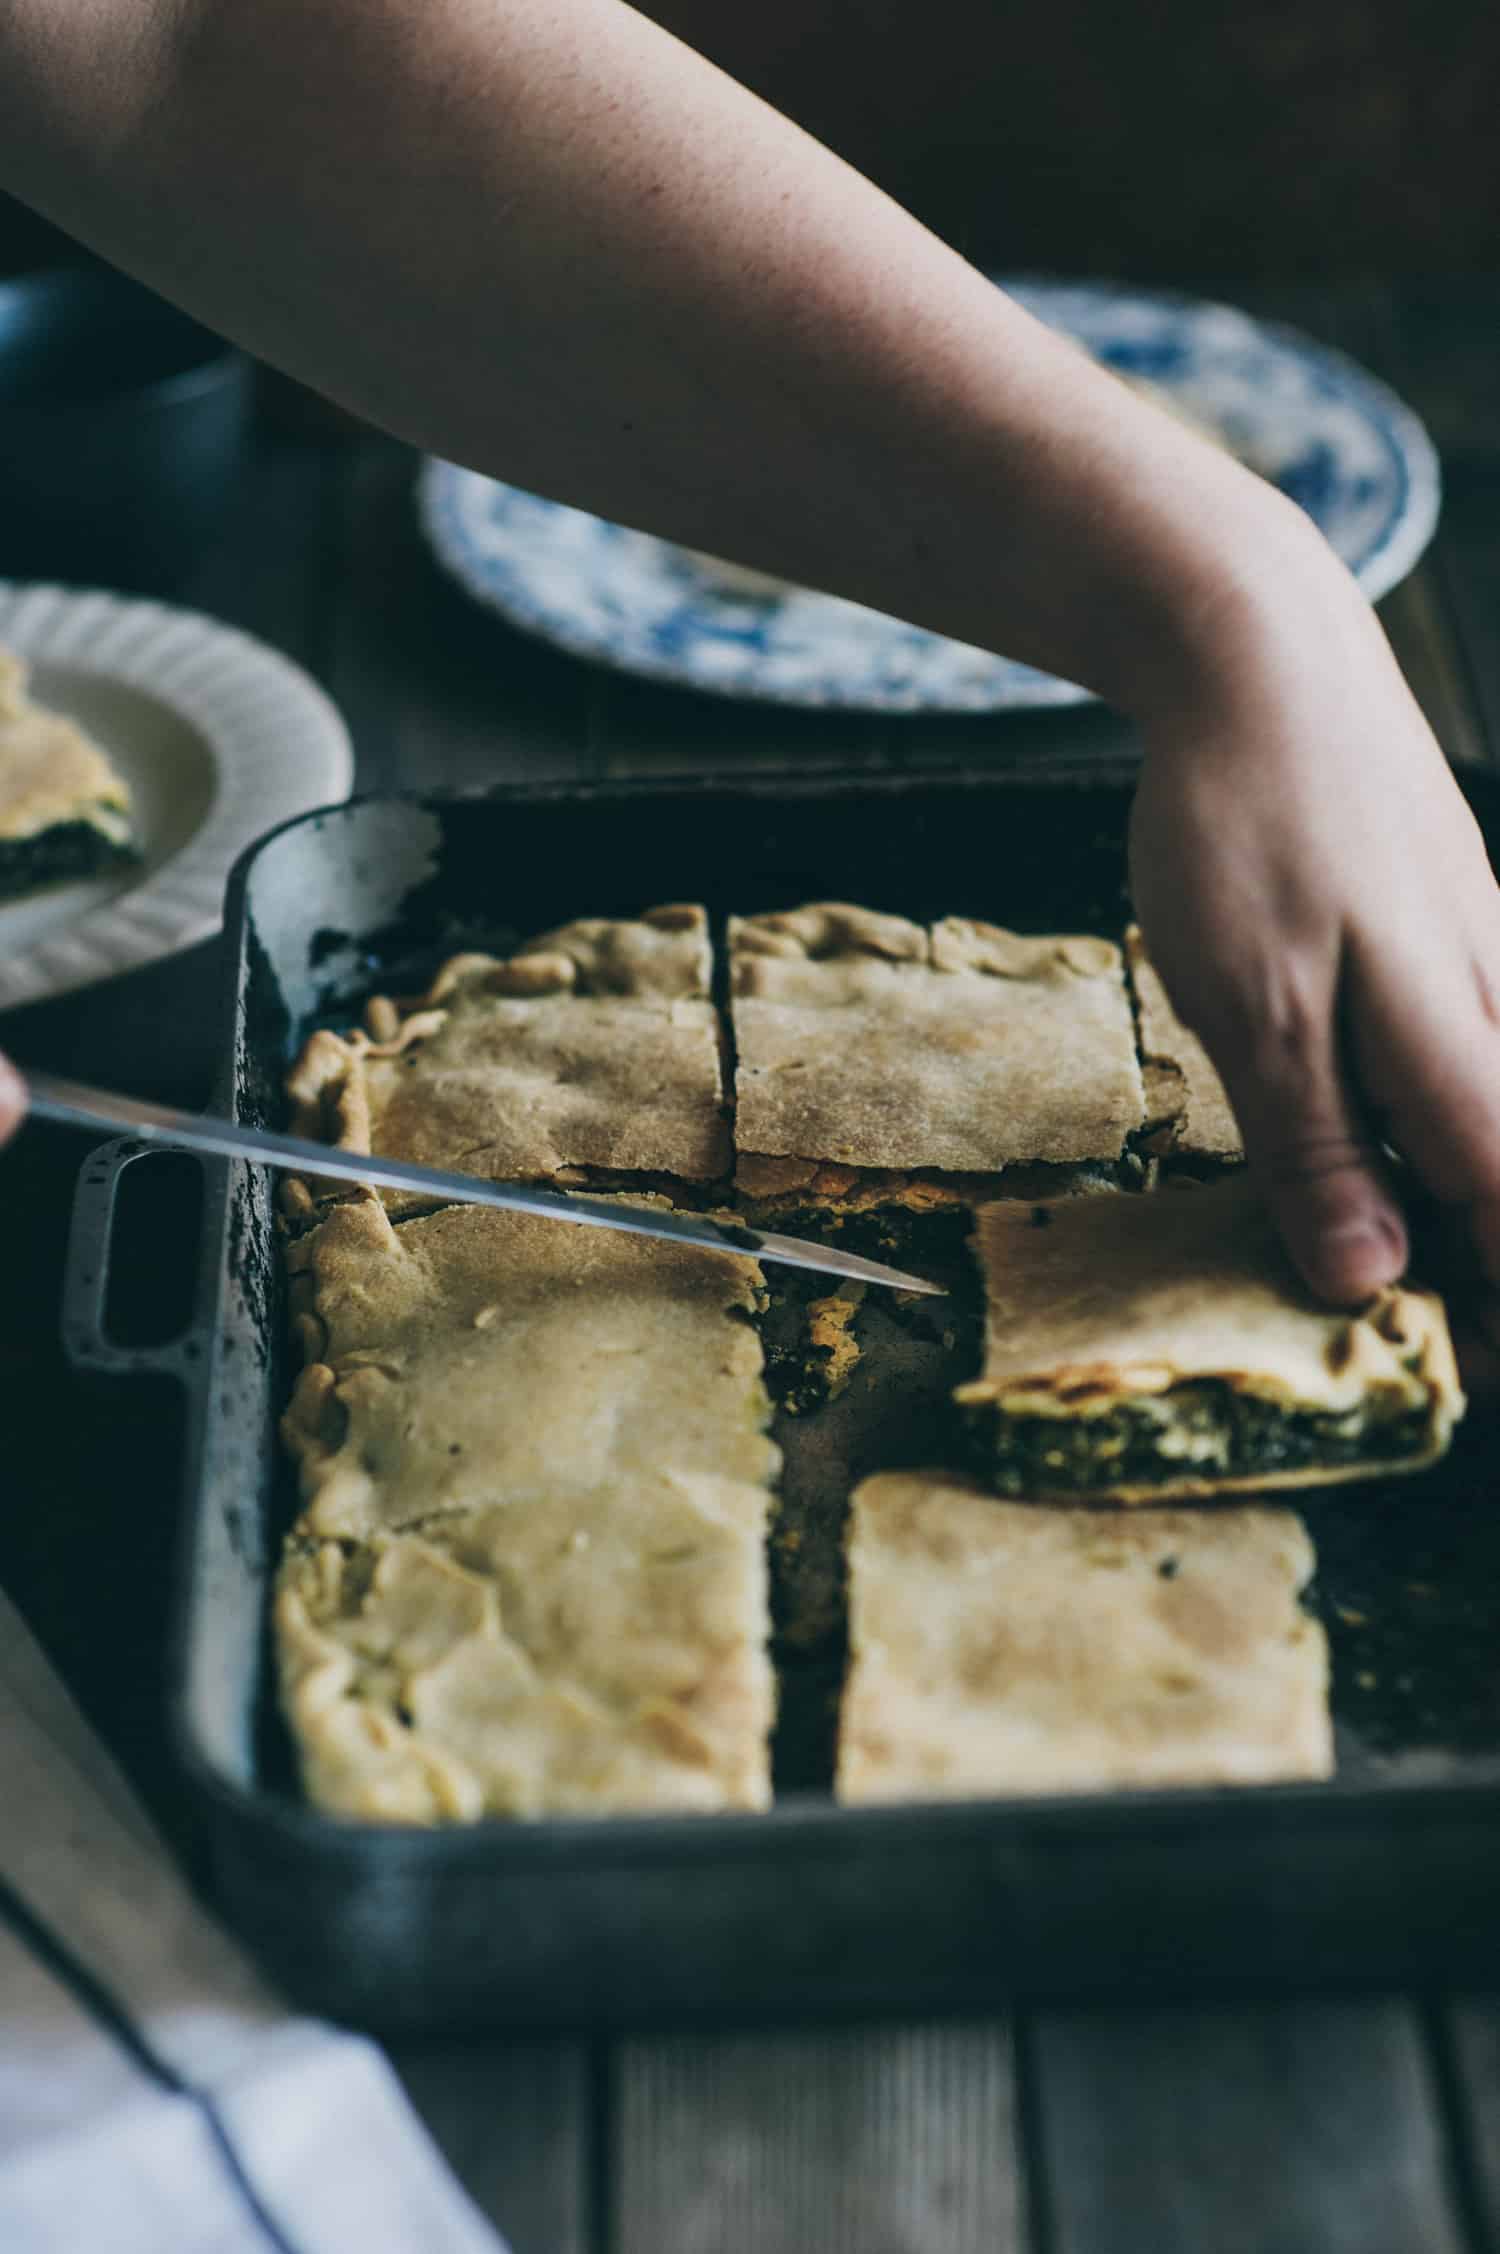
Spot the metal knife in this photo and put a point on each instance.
(72, 1104)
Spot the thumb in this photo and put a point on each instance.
(1313, 1157)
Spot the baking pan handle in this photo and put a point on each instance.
(86, 1280)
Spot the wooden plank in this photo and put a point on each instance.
(643, 728)
(638, 728)
(512, 2118)
(1075, 743)
(856, 2140)
(1440, 354)
(269, 567)
(440, 695)
(1274, 2128)
(1434, 343)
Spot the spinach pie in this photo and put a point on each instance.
(1006, 1648)
(530, 1573)
(886, 1061)
(588, 1058)
(64, 812)
(1139, 1348)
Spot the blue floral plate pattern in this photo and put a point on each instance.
(1313, 422)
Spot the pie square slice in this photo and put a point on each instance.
(64, 812)
(530, 1574)
(555, 1654)
(1144, 1347)
(1015, 1649)
(1186, 1106)
(871, 1048)
(470, 1357)
(594, 1050)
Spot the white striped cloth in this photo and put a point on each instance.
(155, 2098)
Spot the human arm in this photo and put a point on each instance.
(554, 243)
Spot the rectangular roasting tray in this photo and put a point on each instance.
(1390, 1872)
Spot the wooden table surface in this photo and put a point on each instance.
(1289, 2125)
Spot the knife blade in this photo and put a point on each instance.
(71, 1103)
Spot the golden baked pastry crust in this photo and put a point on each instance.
(1161, 1305)
(560, 1654)
(63, 807)
(1008, 1649)
(530, 1573)
(594, 1047)
(468, 1356)
(869, 1042)
(1186, 1105)
(50, 772)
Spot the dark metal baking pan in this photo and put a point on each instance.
(1391, 1871)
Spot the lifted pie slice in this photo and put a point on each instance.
(1144, 1347)
(881, 1057)
(592, 1051)
(1008, 1648)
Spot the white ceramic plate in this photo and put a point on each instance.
(1329, 434)
(219, 739)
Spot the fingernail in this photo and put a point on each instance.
(1367, 1228)
(1359, 1255)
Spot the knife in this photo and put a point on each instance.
(71, 1104)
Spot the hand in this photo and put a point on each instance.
(1320, 904)
(12, 1099)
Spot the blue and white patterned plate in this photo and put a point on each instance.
(1313, 422)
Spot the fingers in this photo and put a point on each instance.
(1326, 1186)
(12, 1098)
(1434, 1069)
(1306, 1138)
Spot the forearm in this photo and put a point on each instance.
(556, 244)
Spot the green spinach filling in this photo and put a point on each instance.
(1205, 1428)
(68, 849)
